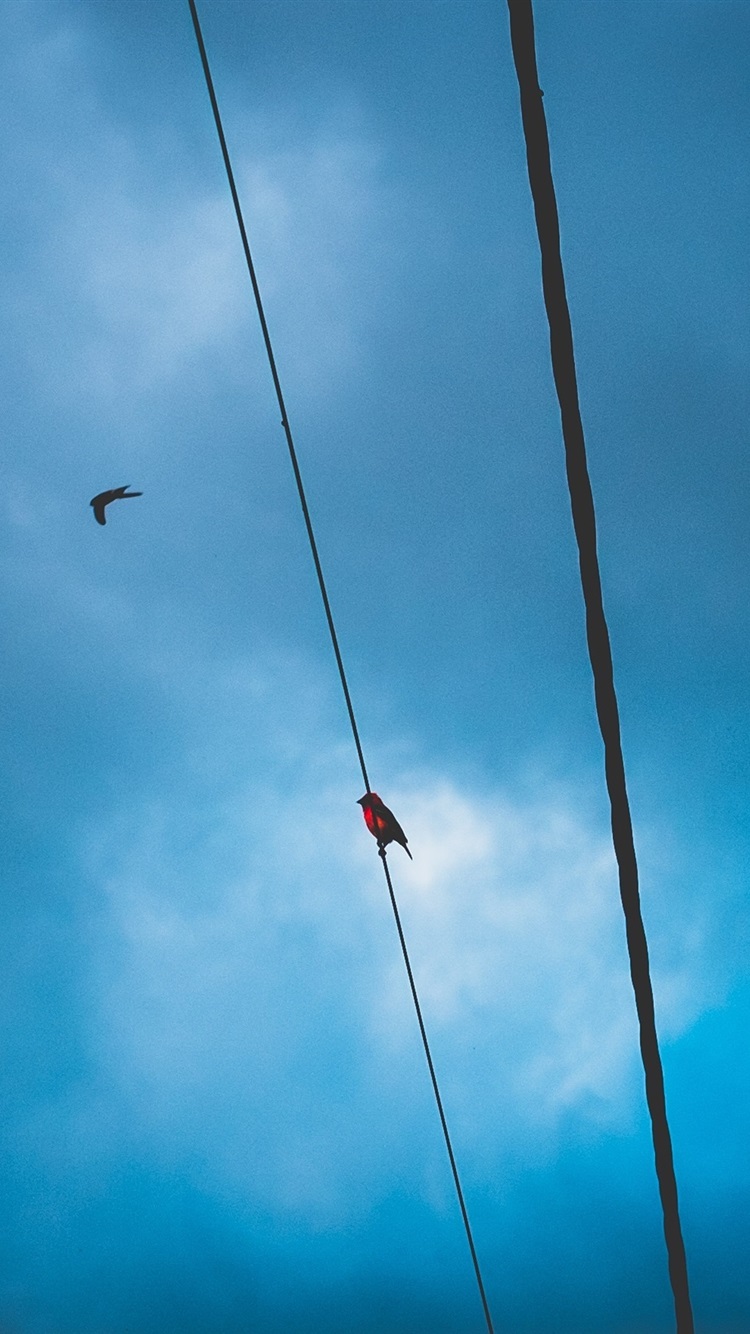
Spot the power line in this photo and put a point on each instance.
(277, 387)
(438, 1099)
(584, 523)
(335, 644)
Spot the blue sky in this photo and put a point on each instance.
(216, 1112)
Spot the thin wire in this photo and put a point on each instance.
(438, 1099)
(277, 386)
(584, 522)
(335, 643)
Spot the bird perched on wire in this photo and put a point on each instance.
(100, 502)
(382, 823)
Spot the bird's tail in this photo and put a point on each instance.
(406, 850)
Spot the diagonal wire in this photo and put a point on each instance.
(277, 387)
(438, 1099)
(335, 644)
(600, 654)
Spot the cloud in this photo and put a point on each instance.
(514, 910)
(161, 279)
(244, 1002)
(131, 258)
(247, 1004)
(319, 212)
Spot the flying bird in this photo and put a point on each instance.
(381, 822)
(100, 502)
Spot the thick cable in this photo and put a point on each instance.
(335, 642)
(584, 523)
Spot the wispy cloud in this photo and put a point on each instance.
(248, 1002)
(320, 213)
(142, 269)
(241, 958)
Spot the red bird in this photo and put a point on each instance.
(381, 822)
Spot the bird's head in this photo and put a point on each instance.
(367, 798)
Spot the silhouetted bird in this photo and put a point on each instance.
(381, 822)
(100, 502)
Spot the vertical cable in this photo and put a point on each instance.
(584, 523)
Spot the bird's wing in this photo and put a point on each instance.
(398, 832)
(105, 498)
(380, 808)
(393, 824)
(98, 504)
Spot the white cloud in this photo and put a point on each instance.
(318, 213)
(132, 266)
(247, 1004)
(518, 936)
(161, 281)
(250, 1004)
